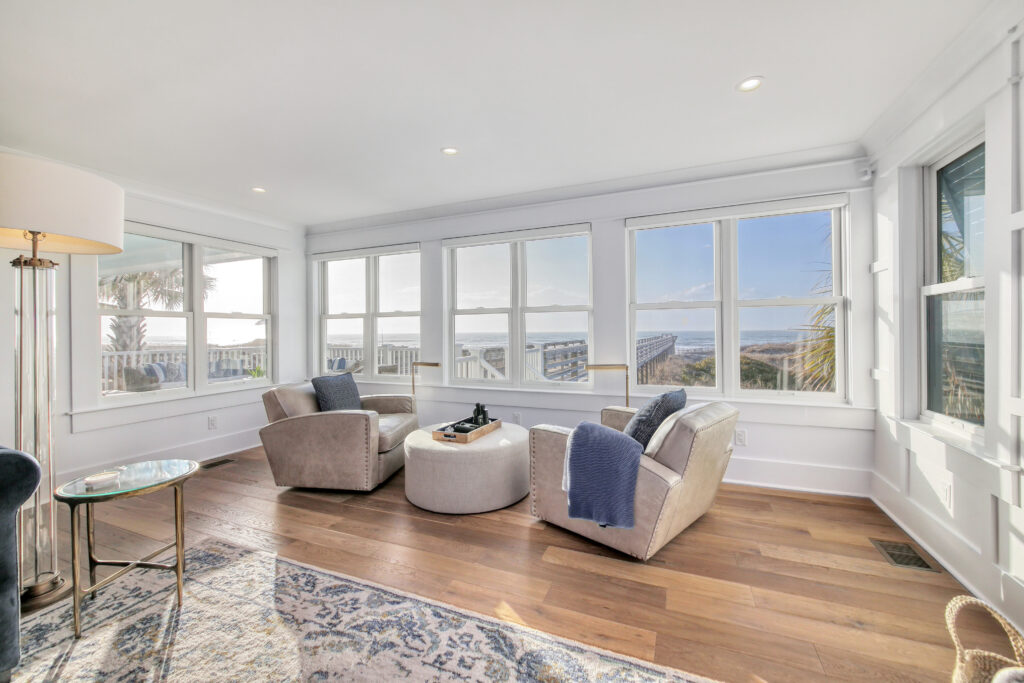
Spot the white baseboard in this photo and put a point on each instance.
(799, 476)
(200, 450)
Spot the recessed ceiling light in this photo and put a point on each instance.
(449, 151)
(259, 190)
(750, 83)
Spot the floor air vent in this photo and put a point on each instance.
(902, 555)
(217, 463)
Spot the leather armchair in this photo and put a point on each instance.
(679, 476)
(354, 450)
(20, 474)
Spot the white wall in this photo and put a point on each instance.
(803, 445)
(88, 435)
(960, 498)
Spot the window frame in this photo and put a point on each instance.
(728, 304)
(197, 384)
(517, 310)
(715, 303)
(931, 286)
(370, 314)
(203, 382)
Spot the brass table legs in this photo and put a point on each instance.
(78, 592)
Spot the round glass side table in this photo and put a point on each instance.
(124, 481)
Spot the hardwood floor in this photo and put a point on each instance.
(770, 585)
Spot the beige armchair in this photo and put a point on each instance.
(353, 450)
(679, 476)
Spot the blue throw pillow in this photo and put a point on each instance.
(337, 392)
(647, 420)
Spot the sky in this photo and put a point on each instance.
(777, 256)
(236, 287)
(398, 289)
(557, 273)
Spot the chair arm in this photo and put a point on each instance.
(389, 403)
(653, 473)
(20, 473)
(335, 449)
(617, 417)
(548, 441)
(547, 462)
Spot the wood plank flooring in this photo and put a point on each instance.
(768, 586)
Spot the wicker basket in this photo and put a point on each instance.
(979, 666)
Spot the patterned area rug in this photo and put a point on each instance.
(250, 615)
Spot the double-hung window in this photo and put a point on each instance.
(741, 299)
(370, 313)
(953, 296)
(235, 314)
(178, 316)
(520, 307)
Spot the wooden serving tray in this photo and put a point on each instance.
(458, 437)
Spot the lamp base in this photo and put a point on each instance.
(46, 592)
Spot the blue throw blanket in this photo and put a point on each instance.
(601, 466)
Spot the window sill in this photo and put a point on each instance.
(116, 413)
(947, 437)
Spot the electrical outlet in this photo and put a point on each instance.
(211, 422)
(741, 437)
(517, 418)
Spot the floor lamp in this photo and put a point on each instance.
(56, 209)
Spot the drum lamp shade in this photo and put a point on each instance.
(79, 212)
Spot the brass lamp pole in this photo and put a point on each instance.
(420, 364)
(613, 366)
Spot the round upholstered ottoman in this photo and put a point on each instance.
(462, 478)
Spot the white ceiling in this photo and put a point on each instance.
(340, 109)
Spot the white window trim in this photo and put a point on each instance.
(961, 429)
(197, 383)
(721, 288)
(517, 310)
(370, 316)
(203, 383)
(727, 305)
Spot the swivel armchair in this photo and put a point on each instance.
(354, 450)
(20, 474)
(679, 476)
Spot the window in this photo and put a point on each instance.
(675, 317)
(235, 308)
(520, 308)
(371, 302)
(786, 302)
(743, 299)
(953, 297)
(151, 325)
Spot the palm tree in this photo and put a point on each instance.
(816, 355)
(135, 292)
(138, 291)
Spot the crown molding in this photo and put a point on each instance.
(998, 21)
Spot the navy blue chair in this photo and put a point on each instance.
(19, 477)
